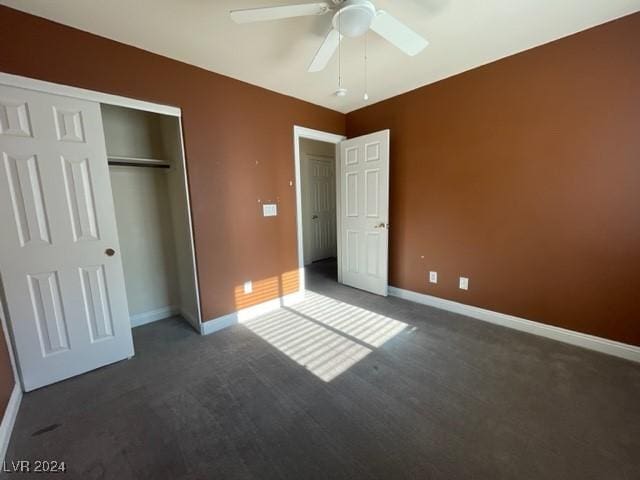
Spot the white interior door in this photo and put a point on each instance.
(321, 198)
(59, 252)
(364, 212)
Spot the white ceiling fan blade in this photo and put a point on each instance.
(397, 33)
(276, 13)
(326, 51)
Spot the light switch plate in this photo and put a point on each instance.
(433, 277)
(248, 287)
(269, 210)
(464, 283)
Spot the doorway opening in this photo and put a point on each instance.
(317, 198)
(318, 186)
(361, 211)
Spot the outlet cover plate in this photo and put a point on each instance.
(269, 209)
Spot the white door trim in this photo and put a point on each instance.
(196, 282)
(298, 133)
(81, 93)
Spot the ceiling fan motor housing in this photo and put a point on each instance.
(354, 17)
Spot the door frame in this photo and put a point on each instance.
(28, 83)
(311, 134)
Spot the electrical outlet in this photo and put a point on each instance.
(433, 277)
(464, 283)
(248, 287)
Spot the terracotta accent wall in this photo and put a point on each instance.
(524, 175)
(239, 148)
(6, 374)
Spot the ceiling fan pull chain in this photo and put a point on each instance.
(366, 84)
(340, 92)
(339, 56)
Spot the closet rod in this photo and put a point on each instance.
(137, 164)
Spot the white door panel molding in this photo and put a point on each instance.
(364, 213)
(59, 259)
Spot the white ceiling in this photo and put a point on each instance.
(463, 34)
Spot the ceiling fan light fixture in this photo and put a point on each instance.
(354, 17)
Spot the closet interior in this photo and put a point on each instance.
(148, 182)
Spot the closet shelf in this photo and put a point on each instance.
(137, 161)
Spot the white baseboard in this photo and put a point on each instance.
(153, 315)
(603, 345)
(248, 313)
(9, 419)
(215, 324)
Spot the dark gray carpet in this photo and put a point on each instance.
(445, 398)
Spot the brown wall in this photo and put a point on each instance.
(6, 373)
(238, 140)
(524, 175)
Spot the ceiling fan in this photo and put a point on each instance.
(351, 18)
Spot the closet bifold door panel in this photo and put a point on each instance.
(60, 261)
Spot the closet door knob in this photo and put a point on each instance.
(110, 252)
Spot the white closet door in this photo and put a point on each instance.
(59, 252)
(364, 215)
(322, 202)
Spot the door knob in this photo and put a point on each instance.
(110, 252)
(314, 217)
(381, 225)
